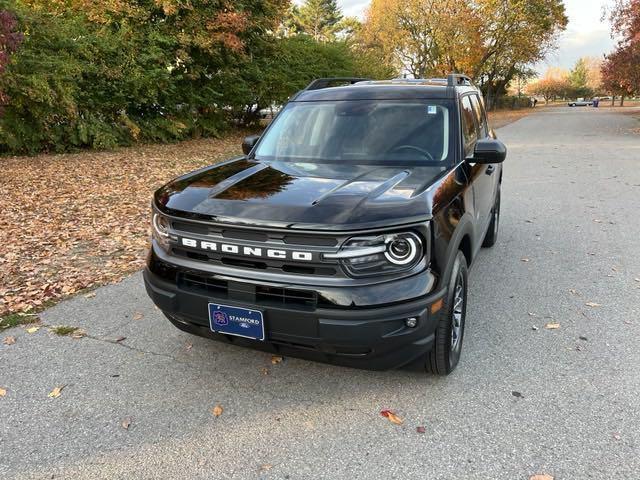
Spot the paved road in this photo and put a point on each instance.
(570, 206)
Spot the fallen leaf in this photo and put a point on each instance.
(3, 392)
(33, 329)
(9, 340)
(126, 423)
(55, 393)
(120, 339)
(552, 326)
(637, 279)
(393, 418)
(616, 436)
(78, 334)
(217, 410)
(531, 314)
(592, 304)
(188, 346)
(574, 291)
(583, 338)
(421, 429)
(265, 371)
(525, 260)
(534, 328)
(266, 467)
(542, 476)
(276, 359)
(90, 295)
(138, 316)
(517, 394)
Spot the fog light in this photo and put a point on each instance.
(411, 322)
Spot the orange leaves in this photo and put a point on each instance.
(217, 410)
(392, 417)
(82, 219)
(56, 392)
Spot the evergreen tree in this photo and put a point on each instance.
(579, 79)
(319, 19)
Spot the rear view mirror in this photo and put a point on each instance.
(489, 150)
(249, 142)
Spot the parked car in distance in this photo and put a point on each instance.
(344, 233)
(581, 102)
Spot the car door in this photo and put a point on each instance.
(481, 176)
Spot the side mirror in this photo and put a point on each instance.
(248, 143)
(489, 150)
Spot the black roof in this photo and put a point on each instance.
(397, 89)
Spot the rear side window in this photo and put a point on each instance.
(469, 129)
(481, 119)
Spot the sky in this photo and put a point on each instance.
(586, 34)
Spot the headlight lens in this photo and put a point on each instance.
(382, 254)
(161, 227)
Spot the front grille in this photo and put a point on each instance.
(263, 240)
(274, 266)
(202, 284)
(264, 295)
(285, 296)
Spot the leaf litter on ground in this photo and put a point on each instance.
(217, 410)
(98, 205)
(392, 417)
(56, 392)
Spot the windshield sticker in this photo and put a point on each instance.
(431, 110)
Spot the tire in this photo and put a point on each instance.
(445, 355)
(492, 232)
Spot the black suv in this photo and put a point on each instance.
(344, 233)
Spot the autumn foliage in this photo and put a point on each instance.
(493, 41)
(621, 69)
(117, 72)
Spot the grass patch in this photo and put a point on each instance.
(64, 331)
(15, 319)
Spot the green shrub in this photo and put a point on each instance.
(76, 82)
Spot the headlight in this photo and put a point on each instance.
(382, 254)
(161, 227)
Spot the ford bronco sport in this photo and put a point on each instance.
(344, 233)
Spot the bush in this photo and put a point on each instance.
(75, 82)
(512, 102)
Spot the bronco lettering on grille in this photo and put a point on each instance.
(274, 253)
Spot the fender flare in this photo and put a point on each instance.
(465, 228)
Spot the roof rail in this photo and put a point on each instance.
(320, 83)
(456, 79)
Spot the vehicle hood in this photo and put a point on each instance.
(302, 195)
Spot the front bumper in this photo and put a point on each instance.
(363, 336)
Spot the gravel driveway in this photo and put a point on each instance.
(524, 400)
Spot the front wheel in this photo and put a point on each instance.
(445, 355)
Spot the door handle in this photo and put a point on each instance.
(490, 169)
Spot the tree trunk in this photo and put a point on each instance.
(621, 100)
(489, 95)
(613, 100)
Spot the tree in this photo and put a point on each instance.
(318, 18)
(102, 74)
(493, 41)
(424, 37)
(579, 79)
(10, 40)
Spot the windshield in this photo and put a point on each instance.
(360, 131)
